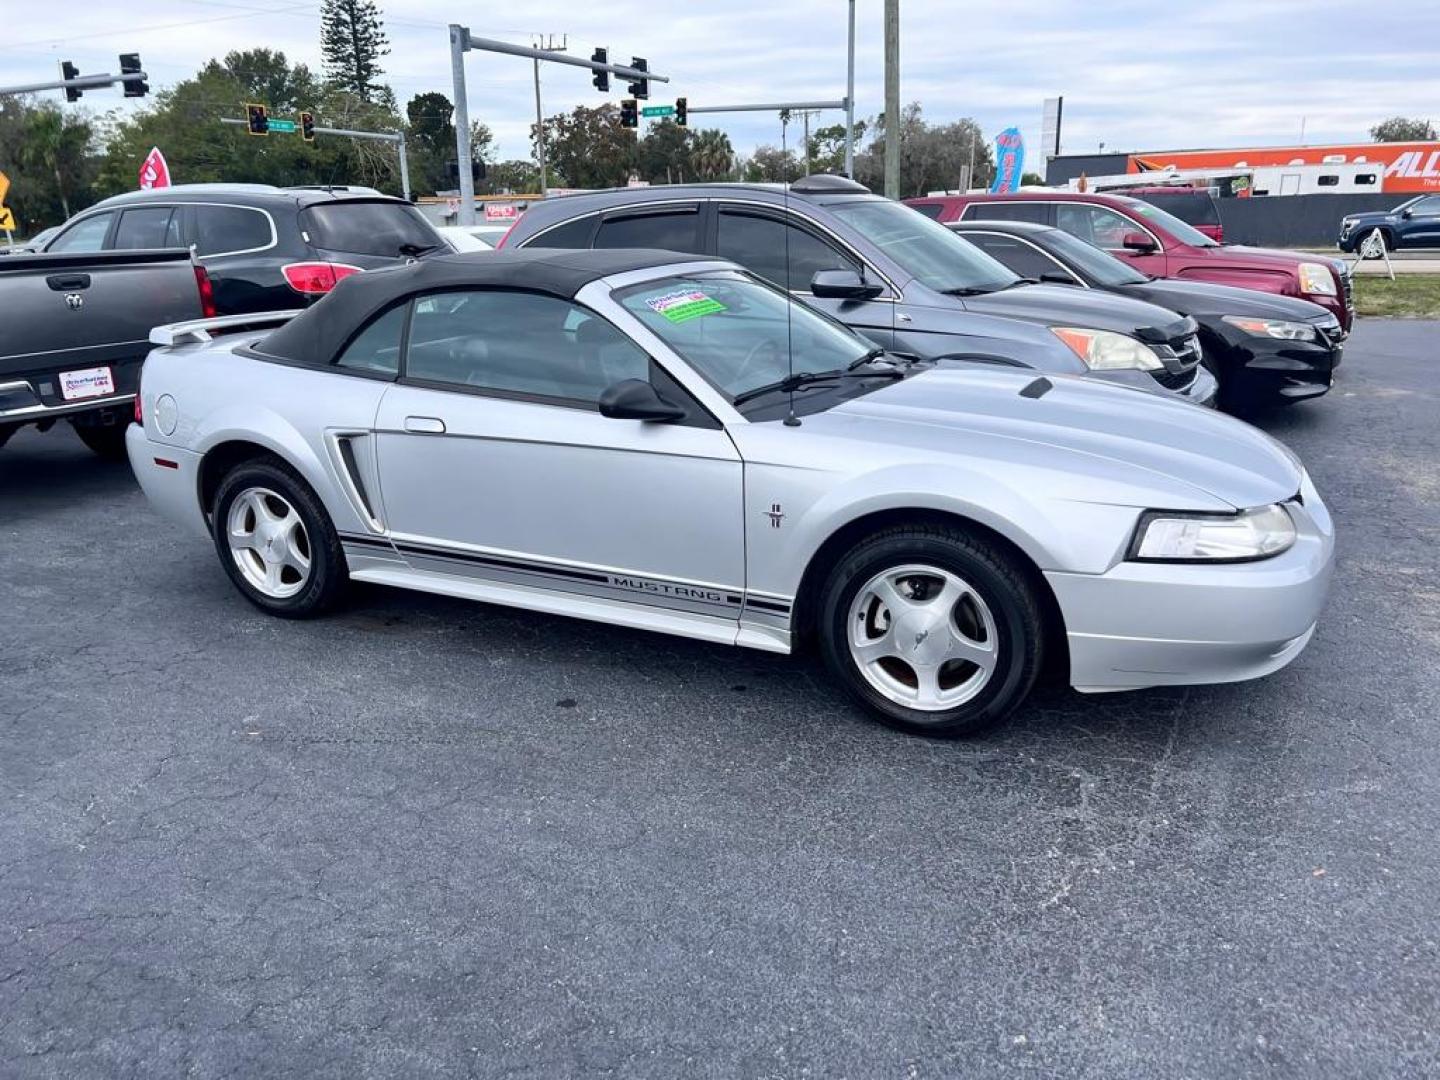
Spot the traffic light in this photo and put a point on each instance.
(70, 71)
(130, 65)
(640, 88)
(257, 122)
(602, 78)
(307, 126)
(682, 111)
(629, 113)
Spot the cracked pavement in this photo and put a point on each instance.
(430, 838)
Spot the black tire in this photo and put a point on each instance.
(997, 579)
(1364, 238)
(329, 575)
(105, 440)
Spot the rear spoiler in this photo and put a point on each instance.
(199, 331)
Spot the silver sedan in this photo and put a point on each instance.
(648, 440)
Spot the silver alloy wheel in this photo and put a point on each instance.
(923, 637)
(268, 542)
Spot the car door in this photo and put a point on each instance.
(788, 251)
(1107, 229)
(496, 465)
(1422, 228)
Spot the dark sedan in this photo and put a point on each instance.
(1264, 349)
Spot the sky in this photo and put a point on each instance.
(1153, 75)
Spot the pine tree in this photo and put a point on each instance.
(352, 40)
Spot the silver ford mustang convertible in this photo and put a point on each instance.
(656, 441)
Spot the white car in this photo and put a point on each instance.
(463, 238)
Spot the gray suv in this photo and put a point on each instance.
(902, 280)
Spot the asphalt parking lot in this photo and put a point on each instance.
(429, 838)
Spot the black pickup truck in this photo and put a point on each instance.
(76, 329)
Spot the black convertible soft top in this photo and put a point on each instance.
(315, 335)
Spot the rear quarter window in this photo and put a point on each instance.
(220, 230)
(368, 228)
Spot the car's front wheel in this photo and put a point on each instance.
(276, 541)
(1374, 244)
(935, 629)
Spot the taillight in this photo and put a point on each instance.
(508, 231)
(139, 412)
(316, 278)
(207, 300)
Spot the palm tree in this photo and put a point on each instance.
(711, 153)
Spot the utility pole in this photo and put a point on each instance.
(805, 116)
(547, 46)
(850, 100)
(892, 99)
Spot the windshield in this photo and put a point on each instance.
(924, 248)
(1170, 223)
(1100, 266)
(738, 332)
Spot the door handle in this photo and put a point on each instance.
(68, 282)
(425, 425)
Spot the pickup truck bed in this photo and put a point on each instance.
(76, 329)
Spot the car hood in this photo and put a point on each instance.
(1062, 305)
(1240, 256)
(1121, 438)
(1202, 298)
(1373, 217)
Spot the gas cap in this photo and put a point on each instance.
(167, 414)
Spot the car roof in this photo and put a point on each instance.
(313, 336)
(1055, 195)
(812, 190)
(261, 193)
(999, 225)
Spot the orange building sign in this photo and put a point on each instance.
(1408, 166)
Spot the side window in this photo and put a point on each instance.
(1095, 224)
(87, 235)
(376, 349)
(573, 234)
(930, 210)
(1428, 206)
(1007, 211)
(1019, 256)
(519, 343)
(671, 231)
(783, 254)
(148, 227)
(223, 229)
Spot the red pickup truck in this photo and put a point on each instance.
(1159, 244)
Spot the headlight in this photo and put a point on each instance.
(1316, 279)
(1105, 350)
(1163, 536)
(1275, 328)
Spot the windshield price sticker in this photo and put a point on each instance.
(684, 305)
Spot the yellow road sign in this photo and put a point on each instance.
(4, 186)
(7, 220)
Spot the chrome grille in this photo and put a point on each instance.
(1183, 361)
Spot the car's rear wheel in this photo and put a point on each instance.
(933, 628)
(106, 440)
(276, 541)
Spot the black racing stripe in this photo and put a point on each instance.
(365, 541)
(769, 605)
(504, 564)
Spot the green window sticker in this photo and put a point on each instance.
(682, 305)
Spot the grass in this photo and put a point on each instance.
(1415, 296)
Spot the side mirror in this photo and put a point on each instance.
(843, 285)
(1057, 277)
(1138, 241)
(636, 399)
(1407, 212)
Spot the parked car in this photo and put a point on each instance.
(653, 440)
(1413, 224)
(265, 248)
(35, 243)
(1264, 349)
(1161, 245)
(76, 329)
(463, 238)
(906, 283)
(1194, 206)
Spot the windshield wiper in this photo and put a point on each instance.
(806, 378)
(873, 354)
(966, 290)
(415, 250)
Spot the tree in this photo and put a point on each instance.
(827, 147)
(663, 155)
(1031, 179)
(352, 40)
(771, 164)
(504, 177)
(48, 154)
(268, 78)
(932, 157)
(711, 155)
(1403, 129)
(588, 148)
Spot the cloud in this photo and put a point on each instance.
(1138, 75)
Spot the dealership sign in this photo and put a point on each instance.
(1009, 160)
(1407, 166)
(154, 172)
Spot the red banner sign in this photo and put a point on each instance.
(154, 173)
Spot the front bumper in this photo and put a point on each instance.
(1176, 624)
(170, 478)
(1202, 390)
(1265, 371)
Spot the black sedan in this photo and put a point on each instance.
(1265, 350)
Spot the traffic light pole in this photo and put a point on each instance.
(396, 137)
(83, 82)
(461, 42)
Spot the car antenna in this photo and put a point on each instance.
(791, 420)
